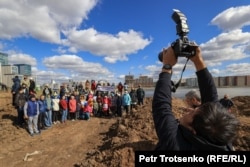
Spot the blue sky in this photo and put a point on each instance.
(108, 39)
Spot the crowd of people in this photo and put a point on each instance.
(80, 103)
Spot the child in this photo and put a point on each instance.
(81, 104)
(105, 106)
(95, 107)
(42, 110)
(55, 109)
(72, 108)
(31, 111)
(64, 107)
(48, 113)
(87, 111)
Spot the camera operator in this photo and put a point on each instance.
(207, 127)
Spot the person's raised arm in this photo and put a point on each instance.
(164, 120)
(205, 80)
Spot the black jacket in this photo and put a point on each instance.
(171, 135)
(227, 103)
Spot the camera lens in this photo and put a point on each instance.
(160, 56)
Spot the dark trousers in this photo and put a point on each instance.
(126, 108)
(55, 116)
(72, 115)
(132, 105)
(140, 101)
(41, 121)
(13, 99)
(20, 114)
(119, 111)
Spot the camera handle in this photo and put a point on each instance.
(175, 86)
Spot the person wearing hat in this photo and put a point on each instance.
(31, 112)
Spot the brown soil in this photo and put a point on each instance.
(98, 142)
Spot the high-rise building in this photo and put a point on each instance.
(3, 58)
(144, 81)
(24, 69)
(7, 73)
(9, 69)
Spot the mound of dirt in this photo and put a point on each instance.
(136, 132)
(99, 142)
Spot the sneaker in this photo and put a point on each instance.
(58, 122)
(73, 120)
(31, 134)
(54, 122)
(37, 133)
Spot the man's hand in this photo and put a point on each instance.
(168, 58)
(198, 60)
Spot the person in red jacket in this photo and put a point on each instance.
(72, 108)
(64, 107)
(87, 110)
(93, 86)
(105, 105)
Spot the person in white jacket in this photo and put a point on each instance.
(55, 109)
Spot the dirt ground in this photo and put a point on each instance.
(99, 142)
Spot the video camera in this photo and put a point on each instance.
(182, 47)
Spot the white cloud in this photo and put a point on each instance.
(67, 13)
(238, 69)
(19, 58)
(233, 18)
(77, 66)
(43, 20)
(215, 71)
(226, 46)
(47, 76)
(60, 50)
(113, 47)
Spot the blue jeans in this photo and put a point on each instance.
(64, 115)
(48, 118)
(85, 116)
